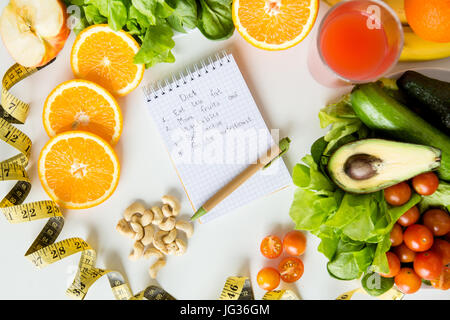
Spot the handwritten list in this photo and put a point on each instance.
(213, 130)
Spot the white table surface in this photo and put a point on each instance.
(288, 98)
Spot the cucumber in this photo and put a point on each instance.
(430, 97)
(381, 112)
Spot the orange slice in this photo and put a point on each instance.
(105, 56)
(82, 105)
(78, 169)
(274, 24)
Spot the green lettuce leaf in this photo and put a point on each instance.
(440, 198)
(215, 19)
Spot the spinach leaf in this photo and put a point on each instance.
(117, 14)
(349, 265)
(156, 45)
(376, 285)
(215, 19)
(147, 8)
(184, 15)
(93, 16)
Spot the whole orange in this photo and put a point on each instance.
(430, 19)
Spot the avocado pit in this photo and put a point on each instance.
(362, 166)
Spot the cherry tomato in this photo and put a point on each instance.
(407, 281)
(443, 282)
(442, 248)
(404, 253)
(418, 238)
(271, 247)
(294, 243)
(268, 278)
(426, 183)
(291, 269)
(438, 221)
(409, 217)
(394, 265)
(428, 265)
(397, 194)
(396, 235)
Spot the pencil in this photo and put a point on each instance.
(223, 193)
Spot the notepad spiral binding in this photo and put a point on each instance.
(153, 90)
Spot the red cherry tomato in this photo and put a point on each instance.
(294, 243)
(271, 247)
(407, 281)
(443, 282)
(291, 269)
(428, 265)
(268, 278)
(438, 221)
(394, 265)
(404, 253)
(426, 183)
(418, 238)
(442, 248)
(397, 194)
(396, 235)
(409, 217)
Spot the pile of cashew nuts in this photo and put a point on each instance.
(138, 224)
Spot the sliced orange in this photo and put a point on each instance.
(82, 105)
(105, 57)
(78, 169)
(274, 24)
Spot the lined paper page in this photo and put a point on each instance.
(213, 130)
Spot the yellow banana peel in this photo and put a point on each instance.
(418, 49)
(415, 48)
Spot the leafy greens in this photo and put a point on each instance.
(151, 22)
(354, 228)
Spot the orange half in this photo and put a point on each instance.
(82, 105)
(105, 56)
(274, 24)
(78, 169)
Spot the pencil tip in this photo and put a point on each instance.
(200, 212)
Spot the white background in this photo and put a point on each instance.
(288, 98)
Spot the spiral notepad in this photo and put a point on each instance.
(213, 130)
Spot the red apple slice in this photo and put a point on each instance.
(34, 31)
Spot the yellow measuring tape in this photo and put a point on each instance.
(391, 294)
(240, 288)
(44, 250)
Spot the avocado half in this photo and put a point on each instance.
(370, 165)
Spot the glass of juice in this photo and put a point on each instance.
(358, 41)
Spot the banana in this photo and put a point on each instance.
(399, 7)
(418, 49)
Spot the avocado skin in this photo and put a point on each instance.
(429, 97)
(381, 112)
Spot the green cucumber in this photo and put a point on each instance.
(382, 113)
(429, 97)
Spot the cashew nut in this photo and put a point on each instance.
(168, 224)
(123, 227)
(153, 252)
(158, 242)
(153, 270)
(148, 235)
(166, 210)
(145, 219)
(135, 208)
(185, 226)
(137, 228)
(171, 236)
(182, 247)
(138, 250)
(172, 248)
(157, 215)
(173, 203)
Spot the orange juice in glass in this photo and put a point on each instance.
(358, 41)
